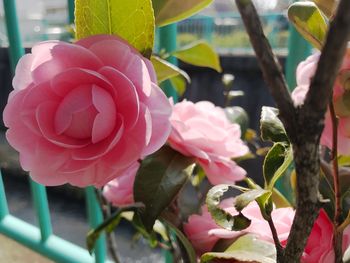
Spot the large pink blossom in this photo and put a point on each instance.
(203, 131)
(319, 247)
(83, 113)
(203, 232)
(341, 98)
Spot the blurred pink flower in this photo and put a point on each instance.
(202, 130)
(341, 93)
(120, 191)
(319, 247)
(203, 232)
(83, 113)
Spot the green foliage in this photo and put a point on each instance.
(276, 162)
(309, 21)
(271, 127)
(238, 115)
(327, 6)
(199, 54)
(246, 198)
(165, 70)
(170, 11)
(191, 254)
(179, 83)
(133, 20)
(158, 181)
(220, 216)
(246, 248)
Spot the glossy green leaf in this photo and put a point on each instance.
(271, 127)
(170, 11)
(246, 198)
(165, 70)
(220, 216)
(327, 6)
(245, 249)
(133, 20)
(309, 21)
(158, 181)
(191, 254)
(276, 162)
(107, 226)
(238, 115)
(200, 54)
(179, 83)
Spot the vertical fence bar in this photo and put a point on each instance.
(95, 218)
(4, 211)
(167, 41)
(71, 7)
(16, 51)
(42, 209)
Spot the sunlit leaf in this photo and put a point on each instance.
(271, 127)
(165, 70)
(309, 21)
(220, 216)
(242, 200)
(276, 162)
(327, 6)
(245, 249)
(133, 20)
(158, 181)
(170, 11)
(179, 84)
(279, 199)
(199, 54)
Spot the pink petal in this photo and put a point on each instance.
(23, 77)
(127, 101)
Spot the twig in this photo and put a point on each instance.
(338, 234)
(111, 240)
(269, 65)
(278, 245)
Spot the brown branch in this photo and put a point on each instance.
(338, 234)
(277, 242)
(304, 125)
(269, 65)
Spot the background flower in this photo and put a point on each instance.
(120, 191)
(341, 95)
(84, 113)
(203, 131)
(203, 232)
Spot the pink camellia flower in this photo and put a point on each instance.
(319, 247)
(203, 232)
(203, 131)
(83, 113)
(120, 190)
(341, 96)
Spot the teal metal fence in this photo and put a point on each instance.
(42, 239)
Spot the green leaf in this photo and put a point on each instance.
(158, 181)
(309, 21)
(165, 70)
(179, 83)
(108, 225)
(133, 20)
(220, 216)
(192, 258)
(245, 249)
(279, 199)
(271, 127)
(199, 54)
(276, 162)
(327, 6)
(246, 198)
(238, 115)
(170, 11)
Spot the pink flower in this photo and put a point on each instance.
(120, 191)
(319, 247)
(84, 113)
(202, 130)
(341, 93)
(203, 232)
